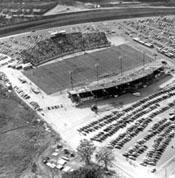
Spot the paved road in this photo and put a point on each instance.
(84, 17)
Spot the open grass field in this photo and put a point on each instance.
(22, 138)
(55, 76)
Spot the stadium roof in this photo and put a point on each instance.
(117, 80)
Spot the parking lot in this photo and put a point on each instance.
(140, 129)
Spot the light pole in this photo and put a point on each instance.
(121, 64)
(155, 56)
(96, 66)
(143, 59)
(71, 80)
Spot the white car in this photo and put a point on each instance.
(136, 94)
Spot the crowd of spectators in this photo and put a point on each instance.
(134, 119)
(63, 44)
(40, 46)
(13, 46)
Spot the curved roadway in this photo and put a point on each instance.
(84, 17)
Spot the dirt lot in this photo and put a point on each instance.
(55, 76)
(22, 137)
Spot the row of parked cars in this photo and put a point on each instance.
(164, 128)
(132, 116)
(134, 152)
(140, 108)
(152, 106)
(95, 125)
(21, 93)
(130, 132)
(35, 106)
(165, 51)
(55, 107)
(159, 146)
(60, 159)
(148, 103)
(25, 96)
(6, 63)
(157, 31)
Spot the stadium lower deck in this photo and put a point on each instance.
(139, 129)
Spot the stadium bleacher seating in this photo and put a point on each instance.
(63, 44)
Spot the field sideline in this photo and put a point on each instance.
(55, 76)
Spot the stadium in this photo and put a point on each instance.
(63, 72)
(83, 68)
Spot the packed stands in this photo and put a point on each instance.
(13, 46)
(63, 44)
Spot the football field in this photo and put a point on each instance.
(55, 76)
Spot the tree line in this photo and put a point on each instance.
(97, 163)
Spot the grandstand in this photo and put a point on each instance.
(127, 83)
(62, 44)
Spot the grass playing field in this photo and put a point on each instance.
(55, 76)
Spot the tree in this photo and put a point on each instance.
(34, 168)
(105, 157)
(86, 150)
(94, 172)
(90, 171)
